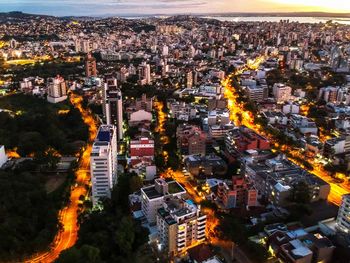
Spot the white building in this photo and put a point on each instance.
(180, 225)
(181, 110)
(165, 50)
(343, 219)
(275, 117)
(145, 73)
(113, 106)
(291, 108)
(218, 117)
(56, 90)
(103, 163)
(153, 196)
(139, 116)
(281, 92)
(304, 124)
(256, 93)
(3, 156)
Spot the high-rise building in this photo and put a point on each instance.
(113, 105)
(343, 219)
(180, 224)
(256, 93)
(189, 79)
(153, 196)
(145, 73)
(165, 50)
(103, 163)
(281, 92)
(90, 66)
(57, 90)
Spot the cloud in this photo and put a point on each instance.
(142, 7)
(93, 7)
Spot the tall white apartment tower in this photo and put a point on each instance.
(103, 163)
(145, 72)
(343, 218)
(113, 105)
(56, 90)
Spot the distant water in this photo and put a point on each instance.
(312, 20)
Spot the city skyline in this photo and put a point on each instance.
(149, 7)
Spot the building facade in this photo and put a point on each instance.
(3, 156)
(153, 197)
(90, 66)
(343, 218)
(56, 90)
(113, 105)
(103, 163)
(180, 225)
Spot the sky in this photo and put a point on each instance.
(142, 7)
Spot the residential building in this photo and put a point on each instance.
(56, 90)
(304, 124)
(144, 103)
(334, 146)
(189, 79)
(3, 156)
(182, 110)
(191, 140)
(209, 165)
(218, 117)
(153, 197)
(281, 92)
(256, 93)
(218, 132)
(275, 117)
(217, 103)
(294, 244)
(113, 105)
(145, 74)
(238, 194)
(242, 138)
(180, 224)
(343, 218)
(291, 108)
(143, 147)
(275, 178)
(90, 66)
(140, 116)
(103, 162)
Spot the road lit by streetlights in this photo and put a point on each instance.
(68, 216)
(242, 117)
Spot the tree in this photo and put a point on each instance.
(256, 251)
(50, 158)
(28, 215)
(301, 193)
(230, 228)
(85, 254)
(135, 183)
(69, 256)
(125, 235)
(90, 254)
(31, 142)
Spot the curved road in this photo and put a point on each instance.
(68, 216)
